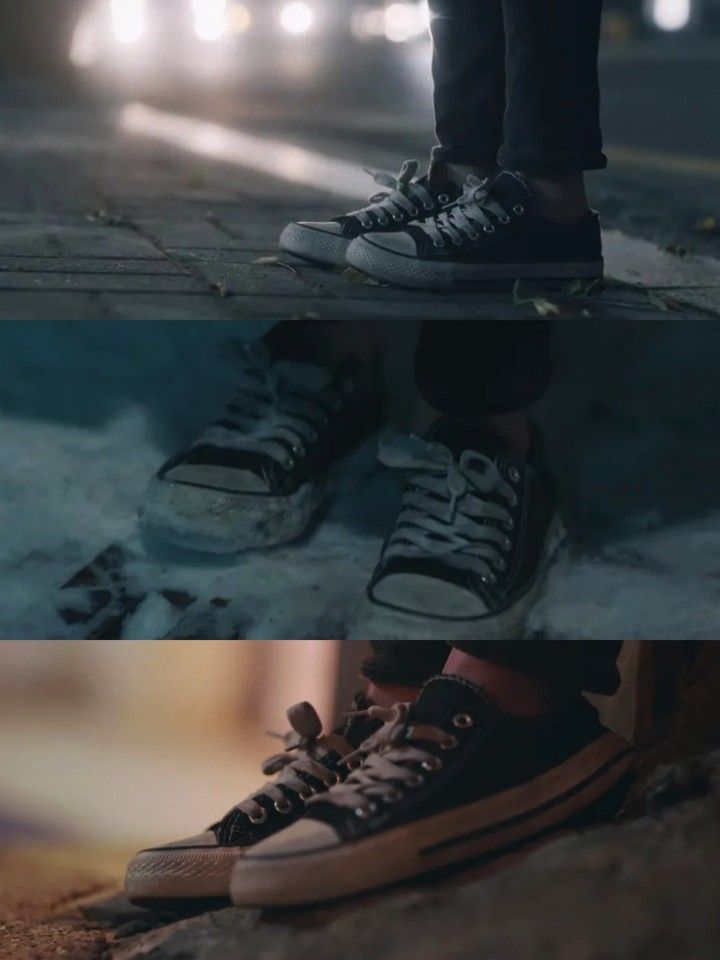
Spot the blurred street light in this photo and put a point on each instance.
(297, 17)
(211, 19)
(670, 15)
(128, 20)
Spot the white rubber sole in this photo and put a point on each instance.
(455, 836)
(181, 874)
(411, 272)
(314, 245)
(378, 622)
(222, 522)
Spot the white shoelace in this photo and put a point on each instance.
(468, 216)
(275, 407)
(404, 198)
(445, 505)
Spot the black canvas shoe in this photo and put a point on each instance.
(258, 476)
(403, 200)
(449, 780)
(475, 535)
(493, 232)
(200, 867)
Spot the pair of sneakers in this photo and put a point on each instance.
(393, 794)
(427, 234)
(477, 525)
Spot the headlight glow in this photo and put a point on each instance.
(406, 21)
(128, 20)
(211, 19)
(671, 14)
(297, 17)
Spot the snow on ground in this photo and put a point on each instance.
(88, 412)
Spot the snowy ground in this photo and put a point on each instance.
(88, 412)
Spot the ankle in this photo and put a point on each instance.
(562, 198)
(388, 694)
(520, 694)
(458, 173)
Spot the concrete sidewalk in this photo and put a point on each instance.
(96, 223)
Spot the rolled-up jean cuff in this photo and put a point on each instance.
(463, 158)
(539, 164)
(568, 665)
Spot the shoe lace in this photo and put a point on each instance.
(447, 508)
(470, 214)
(272, 412)
(388, 760)
(305, 750)
(403, 198)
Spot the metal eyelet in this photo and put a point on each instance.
(299, 450)
(509, 524)
(439, 243)
(288, 464)
(258, 818)
(489, 229)
(306, 793)
(514, 474)
(504, 219)
(398, 217)
(474, 236)
(414, 212)
(432, 764)
(507, 543)
(393, 796)
(449, 744)
(500, 565)
(462, 721)
(488, 578)
(365, 812)
(443, 198)
(519, 209)
(332, 780)
(283, 806)
(383, 221)
(429, 207)
(415, 780)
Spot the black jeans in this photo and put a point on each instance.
(516, 81)
(571, 666)
(483, 367)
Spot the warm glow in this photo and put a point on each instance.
(128, 20)
(671, 14)
(297, 17)
(211, 19)
(239, 18)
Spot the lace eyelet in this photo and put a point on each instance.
(429, 207)
(432, 765)
(306, 793)
(393, 796)
(474, 236)
(415, 213)
(288, 464)
(299, 450)
(332, 780)
(398, 217)
(489, 229)
(449, 744)
(488, 578)
(519, 209)
(283, 806)
(363, 813)
(514, 473)
(509, 524)
(463, 721)
(443, 198)
(500, 565)
(258, 818)
(439, 243)
(504, 219)
(416, 780)
(507, 544)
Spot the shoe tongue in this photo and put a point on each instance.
(508, 187)
(444, 696)
(459, 435)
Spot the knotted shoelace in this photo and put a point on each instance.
(304, 751)
(385, 758)
(404, 198)
(468, 216)
(273, 413)
(446, 504)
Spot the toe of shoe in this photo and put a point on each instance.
(194, 867)
(401, 242)
(427, 596)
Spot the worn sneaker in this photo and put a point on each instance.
(403, 200)
(493, 232)
(474, 537)
(446, 781)
(200, 867)
(258, 476)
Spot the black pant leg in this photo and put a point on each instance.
(483, 367)
(406, 662)
(469, 79)
(552, 123)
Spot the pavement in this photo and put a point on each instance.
(112, 209)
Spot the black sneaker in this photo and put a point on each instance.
(449, 780)
(200, 867)
(403, 200)
(258, 476)
(475, 535)
(493, 232)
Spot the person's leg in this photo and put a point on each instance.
(552, 123)
(469, 86)
(397, 669)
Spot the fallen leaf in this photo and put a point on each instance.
(664, 302)
(709, 225)
(362, 279)
(274, 262)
